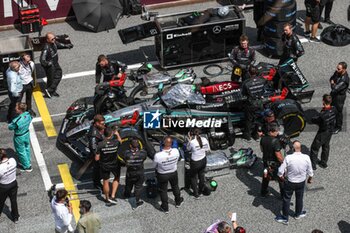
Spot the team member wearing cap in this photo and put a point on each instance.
(134, 158)
(165, 162)
(269, 117)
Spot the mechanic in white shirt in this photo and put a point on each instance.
(62, 210)
(26, 72)
(198, 146)
(8, 184)
(295, 169)
(165, 163)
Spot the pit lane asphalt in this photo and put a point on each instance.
(327, 209)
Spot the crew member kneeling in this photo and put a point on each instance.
(166, 170)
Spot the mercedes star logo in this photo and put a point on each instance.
(216, 29)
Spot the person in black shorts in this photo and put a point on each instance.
(312, 17)
(107, 157)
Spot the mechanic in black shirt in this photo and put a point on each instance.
(253, 88)
(107, 156)
(292, 45)
(110, 69)
(269, 117)
(134, 158)
(326, 121)
(95, 136)
(242, 57)
(49, 61)
(272, 158)
(339, 84)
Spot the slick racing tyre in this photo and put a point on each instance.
(291, 114)
(127, 134)
(106, 105)
(278, 3)
(275, 29)
(281, 14)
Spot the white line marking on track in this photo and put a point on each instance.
(39, 158)
(92, 72)
(137, 65)
(61, 185)
(38, 119)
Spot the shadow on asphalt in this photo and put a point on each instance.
(252, 179)
(77, 27)
(309, 114)
(344, 226)
(143, 54)
(3, 110)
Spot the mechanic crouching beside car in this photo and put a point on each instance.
(165, 163)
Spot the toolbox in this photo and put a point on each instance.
(194, 38)
(29, 18)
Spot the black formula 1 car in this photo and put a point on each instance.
(175, 113)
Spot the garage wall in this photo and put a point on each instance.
(49, 9)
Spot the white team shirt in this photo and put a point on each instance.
(198, 153)
(296, 166)
(62, 217)
(165, 161)
(8, 171)
(26, 71)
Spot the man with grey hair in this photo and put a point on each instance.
(296, 167)
(15, 87)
